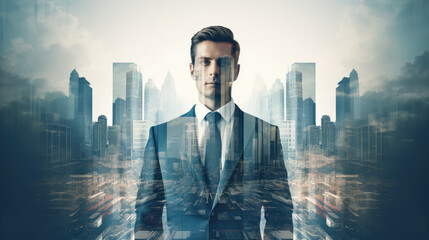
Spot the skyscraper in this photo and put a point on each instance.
(170, 106)
(300, 88)
(354, 95)
(348, 116)
(80, 114)
(140, 137)
(259, 99)
(84, 116)
(277, 100)
(294, 111)
(313, 138)
(119, 97)
(120, 90)
(293, 95)
(328, 136)
(348, 99)
(309, 112)
(287, 136)
(308, 71)
(73, 94)
(151, 103)
(120, 79)
(119, 113)
(343, 106)
(134, 96)
(133, 104)
(345, 122)
(114, 138)
(99, 136)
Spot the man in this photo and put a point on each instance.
(214, 168)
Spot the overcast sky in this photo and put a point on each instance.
(374, 37)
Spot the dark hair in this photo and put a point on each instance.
(215, 34)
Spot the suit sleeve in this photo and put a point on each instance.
(150, 196)
(277, 197)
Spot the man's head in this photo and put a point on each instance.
(214, 67)
(215, 34)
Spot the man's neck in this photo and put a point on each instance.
(213, 104)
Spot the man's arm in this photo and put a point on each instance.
(277, 198)
(150, 197)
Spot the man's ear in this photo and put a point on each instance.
(191, 69)
(237, 71)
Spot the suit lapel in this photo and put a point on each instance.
(191, 151)
(243, 128)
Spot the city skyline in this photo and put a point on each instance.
(82, 82)
(324, 173)
(373, 38)
(128, 69)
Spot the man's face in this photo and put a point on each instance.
(214, 70)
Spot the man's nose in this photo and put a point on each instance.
(214, 69)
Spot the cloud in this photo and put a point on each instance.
(42, 45)
(408, 99)
(413, 81)
(377, 37)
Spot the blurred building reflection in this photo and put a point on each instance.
(87, 184)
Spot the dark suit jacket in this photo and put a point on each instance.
(253, 176)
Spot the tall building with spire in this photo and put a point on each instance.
(343, 101)
(343, 113)
(80, 113)
(277, 101)
(348, 99)
(170, 106)
(73, 94)
(151, 103)
(354, 95)
(259, 100)
(348, 114)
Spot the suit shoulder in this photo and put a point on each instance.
(259, 122)
(176, 122)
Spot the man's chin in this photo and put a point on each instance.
(214, 96)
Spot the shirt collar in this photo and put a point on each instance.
(226, 111)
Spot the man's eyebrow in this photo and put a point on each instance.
(225, 57)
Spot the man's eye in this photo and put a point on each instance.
(225, 61)
(205, 62)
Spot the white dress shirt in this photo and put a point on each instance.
(224, 125)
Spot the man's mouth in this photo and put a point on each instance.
(212, 83)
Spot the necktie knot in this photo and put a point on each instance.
(213, 117)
